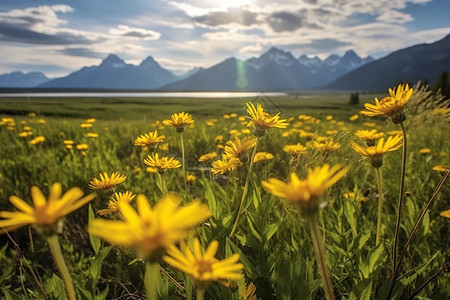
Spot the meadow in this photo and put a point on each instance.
(74, 140)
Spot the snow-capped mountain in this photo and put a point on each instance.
(20, 79)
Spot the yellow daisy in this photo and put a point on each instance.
(306, 193)
(225, 165)
(161, 164)
(238, 148)
(207, 157)
(179, 121)
(113, 203)
(151, 230)
(46, 213)
(375, 153)
(369, 136)
(326, 146)
(262, 121)
(262, 156)
(202, 265)
(107, 182)
(445, 213)
(150, 140)
(392, 105)
(294, 150)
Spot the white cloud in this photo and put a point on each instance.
(393, 16)
(253, 49)
(134, 33)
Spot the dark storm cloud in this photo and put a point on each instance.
(21, 34)
(232, 15)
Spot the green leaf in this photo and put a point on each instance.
(103, 294)
(95, 240)
(270, 231)
(55, 287)
(350, 212)
(96, 264)
(411, 275)
(9, 295)
(362, 290)
(210, 197)
(360, 240)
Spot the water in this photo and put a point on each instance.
(143, 94)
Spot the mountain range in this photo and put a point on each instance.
(274, 70)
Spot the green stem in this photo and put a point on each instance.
(151, 280)
(245, 191)
(320, 256)
(183, 162)
(162, 184)
(380, 204)
(199, 294)
(55, 248)
(400, 200)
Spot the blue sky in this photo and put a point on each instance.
(59, 37)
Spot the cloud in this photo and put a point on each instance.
(133, 32)
(393, 16)
(251, 49)
(232, 15)
(82, 52)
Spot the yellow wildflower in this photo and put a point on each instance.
(225, 165)
(369, 136)
(150, 140)
(92, 135)
(262, 156)
(445, 213)
(375, 153)
(425, 151)
(179, 121)
(161, 164)
(46, 213)
(202, 265)
(37, 140)
(113, 205)
(262, 121)
(107, 182)
(191, 178)
(294, 150)
(354, 117)
(306, 193)
(207, 156)
(151, 230)
(86, 125)
(238, 148)
(392, 105)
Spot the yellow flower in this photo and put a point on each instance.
(441, 168)
(238, 148)
(225, 165)
(392, 105)
(218, 139)
(294, 150)
(262, 120)
(425, 151)
(151, 230)
(326, 146)
(207, 156)
(37, 140)
(262, 156)
(354, 117)
(375, 153)
(107, 182)
(307, 135)
(92, 135)
(161, 164)
(191, 178)
(179, 121)
(202, 265)
(82, 146)
(46, 213)
(369, 136)
(91, 120)
(445, 213)
(151, 140)
(249, 293)
(306, 193)
(86, 125)
(113, 203)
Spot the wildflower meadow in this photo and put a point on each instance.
(258, 199)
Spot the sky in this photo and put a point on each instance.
(58, 37)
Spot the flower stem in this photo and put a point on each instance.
(183, 162)
(162, 184)
(320, 255)
(55, 248)
(245, 191)
(199, 294)
(380, 204)
(151, 280)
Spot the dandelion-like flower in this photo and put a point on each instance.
(208, 156)
(107, 182)
(179, 121)
(225, 165)
(262, 121)
(46, 213)
(369, 136)
(392, 105)
(262, 156)
(161, 164)
(326, 146)
(306, 193)
(445, 213)
(37, 140)
(238, 148)
(294, 150)
(150, 140)
(375, 153)
(202, 265)
(113, 204)
(151, 230)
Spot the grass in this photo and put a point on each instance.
(272, 240)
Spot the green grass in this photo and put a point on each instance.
(272, 239)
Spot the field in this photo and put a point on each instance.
(74, 140)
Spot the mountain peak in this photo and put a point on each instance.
(149, 62)
(351, 54)
(113, 61)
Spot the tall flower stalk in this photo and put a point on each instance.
(380, 204)
(306, 195)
